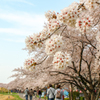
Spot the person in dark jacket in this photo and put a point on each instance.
(39, 93)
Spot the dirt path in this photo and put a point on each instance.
(5, 97)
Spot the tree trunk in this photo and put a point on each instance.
(71, 93)
(90, 97)
(87, 98)
(93, 97)
(98, 94)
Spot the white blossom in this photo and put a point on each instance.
(97, 60)
(84, 24)
(69, 15)
(53, 25)
(29, 64)
(54, 44)
(91, 4)
(50, 15)
(44, 34)
(32, 42)
(98, 37)
(61, 60)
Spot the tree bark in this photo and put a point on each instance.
(71, 93)
(99, 89)
(93, 96)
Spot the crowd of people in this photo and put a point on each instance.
(50, 93)
(30, 93)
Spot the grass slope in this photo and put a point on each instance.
(6, 96)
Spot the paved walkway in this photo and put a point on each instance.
(21, 95)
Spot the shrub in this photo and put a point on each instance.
(81, 98)
(75, 94)
(66, 98)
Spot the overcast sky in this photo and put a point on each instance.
(18, 19)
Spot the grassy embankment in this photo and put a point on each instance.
(6, 96)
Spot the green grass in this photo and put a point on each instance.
(17, 97)
(14, 95)
(38, 97)
(66, 98)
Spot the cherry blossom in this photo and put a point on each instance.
(84, 24)
(54, 44)
(98, 37)
(44, 34)
(50, 15)
(32, 42)
(61, 60)
(30, 64)
(53, 25)
(92, 4)
(69, 15)
(74, 49)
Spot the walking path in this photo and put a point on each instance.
(21, 96)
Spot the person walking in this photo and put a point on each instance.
(35, 93)
(45, 94)
(39, 93)
(26, 93)
(50, 92)
(59, 93)
(31, 93)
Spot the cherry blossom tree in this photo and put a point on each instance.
(33, 79)
(3, 85)
(70, 40)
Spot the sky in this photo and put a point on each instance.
(18, 19)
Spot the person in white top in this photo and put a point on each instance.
(26, 93)
(51, 92)
(59, 93)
